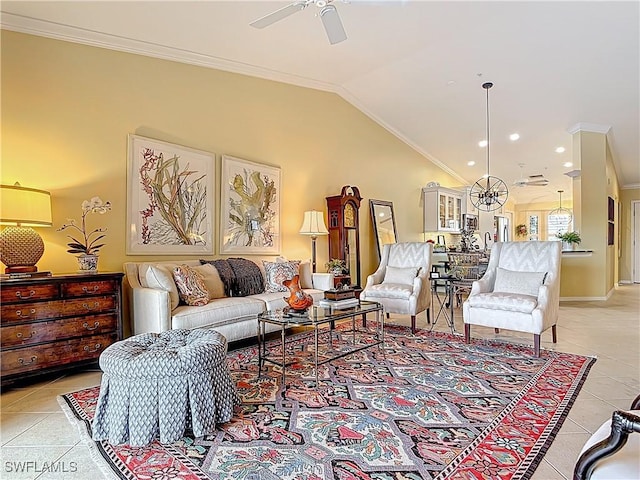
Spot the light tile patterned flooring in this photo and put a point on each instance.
(34, 429)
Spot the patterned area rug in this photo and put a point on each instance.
(426, 407)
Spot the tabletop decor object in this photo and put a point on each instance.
(298, 299)
(22, 208)
(87, 245)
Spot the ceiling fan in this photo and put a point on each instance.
(328, 14)
(531, 181)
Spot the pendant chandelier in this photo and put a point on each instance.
(562, 212)
(489, 193)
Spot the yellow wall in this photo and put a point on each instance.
(67, 110)
(592, 276)
(625, 224)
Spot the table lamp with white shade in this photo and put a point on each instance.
(313, 225)
(22, 208)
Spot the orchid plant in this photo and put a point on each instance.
(87, 243)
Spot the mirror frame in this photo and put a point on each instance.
(382, 203)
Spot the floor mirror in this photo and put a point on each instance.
(384, 223)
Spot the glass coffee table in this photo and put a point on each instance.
(322, 320)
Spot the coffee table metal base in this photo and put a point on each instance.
(316, 319)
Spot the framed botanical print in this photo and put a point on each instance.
(250, 213)
(170, 199)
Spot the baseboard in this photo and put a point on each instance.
(583, 299)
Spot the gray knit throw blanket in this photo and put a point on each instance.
(241, 277)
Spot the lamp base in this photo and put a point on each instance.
(20, 249)
(21, 269)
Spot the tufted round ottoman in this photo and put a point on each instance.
(158, 385)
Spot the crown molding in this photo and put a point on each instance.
(589, 127)
(57, 31)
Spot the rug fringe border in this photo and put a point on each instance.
(86, 439)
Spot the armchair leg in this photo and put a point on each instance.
(467, 333)
(497, 330)
(536, 345)
(554, 334)
(387, 315)
(413, 324)
(428, 316)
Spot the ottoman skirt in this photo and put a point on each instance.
(159, 385)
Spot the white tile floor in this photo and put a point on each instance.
(34, 429)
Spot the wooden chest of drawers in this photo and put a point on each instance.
(54, 323)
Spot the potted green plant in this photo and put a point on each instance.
(335, 266)
(569, 240)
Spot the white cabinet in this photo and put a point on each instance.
(443, 209)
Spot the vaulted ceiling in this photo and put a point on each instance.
(415, 67)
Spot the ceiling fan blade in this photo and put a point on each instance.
(278, 15)
(332, 24)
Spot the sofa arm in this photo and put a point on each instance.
(322, 281)
(150, 310)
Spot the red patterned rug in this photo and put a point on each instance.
(426, 407)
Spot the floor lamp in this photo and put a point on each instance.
(313, 225)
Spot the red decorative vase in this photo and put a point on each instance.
(297, 300)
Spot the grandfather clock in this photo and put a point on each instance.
(344, 229)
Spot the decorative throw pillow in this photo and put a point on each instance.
(278, 272)
(526, 283)
(212, 280)
(191, 287)
(403, 276)
(160, 277)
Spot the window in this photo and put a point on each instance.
(557, 224)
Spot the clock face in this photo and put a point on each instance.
(349, 216)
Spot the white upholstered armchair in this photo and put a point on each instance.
(519, 291)
(401, 282)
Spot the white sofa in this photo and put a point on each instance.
(154, 303)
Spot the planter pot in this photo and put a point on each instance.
(87, 263)
(568, 246)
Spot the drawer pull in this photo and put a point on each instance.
(96, 306)
(32, 293)
(31, 312)
(86, 325)
(95, 289)
(87, 348)
(22, 361)
(19, 335)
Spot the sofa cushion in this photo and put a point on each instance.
(400, 275)
(211, 279)
(306, 278)
(526, 283)
(278, 272)
(389, 290)
(161, 278)
(221, 311)
(191, 287)
(511, 302)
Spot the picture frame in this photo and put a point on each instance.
(250, 213)
(170, 199)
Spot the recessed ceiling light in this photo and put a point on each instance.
(482, 143)
(471, 163)
(560, 150)
(514, 136)
(567, 164)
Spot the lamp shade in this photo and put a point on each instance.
(27, 207)
(313, 224)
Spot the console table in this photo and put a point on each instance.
(54, 323)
